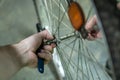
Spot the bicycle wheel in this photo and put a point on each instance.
(81, 59)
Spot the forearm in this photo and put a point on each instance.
(10, 61)
(14, 57)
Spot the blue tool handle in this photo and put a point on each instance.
(41, 65)
(40, 60)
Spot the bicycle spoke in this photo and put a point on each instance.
(82, 65)
(62, 7)
(58, 19)
(47, 11)
(85, 60)
(61, 20)
(65, 64)
(62, 60)
(72, 63)
(86, 63)
(71, 53)
(93, 64)
(60, 23)
(89, 13)
(90, 54)
(96, 62)
(78, 61)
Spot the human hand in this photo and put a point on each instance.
(28, 47)
(92, 33)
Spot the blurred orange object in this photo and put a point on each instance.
(76, 15)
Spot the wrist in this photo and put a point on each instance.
(20, 51)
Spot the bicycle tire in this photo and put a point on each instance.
(111, 23)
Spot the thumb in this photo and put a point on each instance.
(91, 23)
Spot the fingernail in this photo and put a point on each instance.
(53, 45)
(42, 50)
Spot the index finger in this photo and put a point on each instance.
(46, 35)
